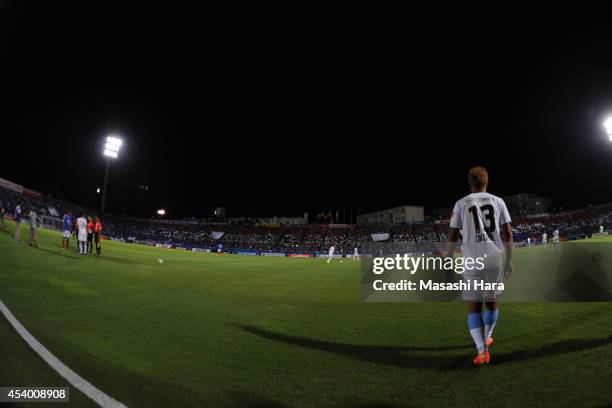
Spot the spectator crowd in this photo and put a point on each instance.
(194, 233)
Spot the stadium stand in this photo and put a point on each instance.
(248, 236)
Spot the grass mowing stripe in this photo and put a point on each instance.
(73, 378)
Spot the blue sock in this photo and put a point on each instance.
(490, 318)
(475, 326)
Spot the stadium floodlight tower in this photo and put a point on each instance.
(111, 151)
(608, 125)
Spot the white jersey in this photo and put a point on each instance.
(331, 250)
(544, 237)
(479, 216)
(355, 252)
(82, 228)
(33, 219)
(556, 235)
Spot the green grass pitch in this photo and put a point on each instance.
(207, 330)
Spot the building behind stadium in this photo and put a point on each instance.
(396, 215)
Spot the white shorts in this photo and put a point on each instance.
(82, 235)
(490, 275)
(66, 234)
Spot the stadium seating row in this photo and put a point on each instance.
(311, 238)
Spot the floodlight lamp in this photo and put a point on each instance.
(110, 153)
(114, 141)
(112, 146)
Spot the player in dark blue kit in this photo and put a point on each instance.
(219, 249)
(67, 229)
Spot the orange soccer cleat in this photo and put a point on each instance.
(482, 358)
(489, 341)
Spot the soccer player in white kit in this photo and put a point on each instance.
(556, 240)
(545, 239)
(331, 253)
(82, 233)
(17, 218)
(355, 254)
(482, 218)
(529, 242)
(33, 240)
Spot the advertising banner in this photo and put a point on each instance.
(217, 234)
(252, 253)
(380, 237)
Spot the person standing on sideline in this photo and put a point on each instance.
(82, 233)
(75, 231)
(90, 233)
(33, 240)
(67, 227)
(484, 222)
(2, 226)
(17, 217)
(97, 232)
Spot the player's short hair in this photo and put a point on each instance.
(478, 177)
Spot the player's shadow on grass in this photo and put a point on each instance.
(399, 356)
(70, 255)
(425, 357)
(76, 256)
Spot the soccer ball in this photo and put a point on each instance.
(160, 261)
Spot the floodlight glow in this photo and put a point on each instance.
(111, 147)
(161, 211)
(114, 141)
(110, 153)
(608, 125)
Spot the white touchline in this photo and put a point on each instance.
(73, 378)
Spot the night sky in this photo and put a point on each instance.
(280, 116)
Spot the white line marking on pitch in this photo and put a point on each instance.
(62, 369)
